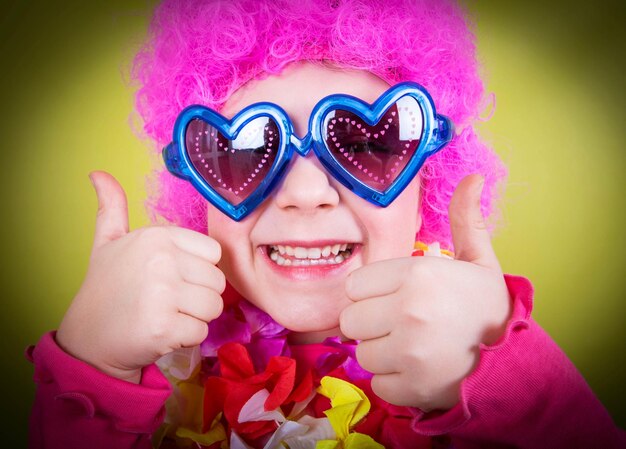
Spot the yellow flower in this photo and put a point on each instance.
(353, 441)
(349, 405)
(189, 423)
(216, 433)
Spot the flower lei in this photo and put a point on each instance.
(245, 387)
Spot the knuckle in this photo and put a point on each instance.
(150, 238)
(157, 293)
(149, 234)
(345, 323)
(158, 330)
(361, 354)
(216, 306)
(154, 307)
(212, 248)
(421, 272)
(160, 260)
(217, 249)
(199, 332)
(203, 332)
(412, 316)
(358, 352)
(402, 393)
(381, 389)
(377, 386)
(220, 281)
(415, 358)
(411, 313)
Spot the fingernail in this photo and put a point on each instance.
(479, 194)
(481, 183)
(93, 183)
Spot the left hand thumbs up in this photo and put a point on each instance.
(421, 319)
(472, 242)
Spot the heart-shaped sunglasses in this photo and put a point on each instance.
(374, 150)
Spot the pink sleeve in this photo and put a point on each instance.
(78, 406)
(524, 393)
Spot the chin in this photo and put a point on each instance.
(304, 314)
(297, 324)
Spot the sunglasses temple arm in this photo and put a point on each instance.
(173, 161)
(442, 134)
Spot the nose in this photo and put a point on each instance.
(306, 187)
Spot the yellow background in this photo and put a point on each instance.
(557, 72)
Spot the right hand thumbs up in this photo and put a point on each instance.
(112, 218)
(147, 292)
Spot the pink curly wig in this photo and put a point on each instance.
(200, 52)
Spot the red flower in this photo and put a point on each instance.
(238, 383)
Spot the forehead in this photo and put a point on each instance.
(299, 87)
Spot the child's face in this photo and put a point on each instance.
(309, 210)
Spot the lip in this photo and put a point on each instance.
(310, 272)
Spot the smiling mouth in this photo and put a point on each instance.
(298, 256)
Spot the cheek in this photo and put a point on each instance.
(218, 227)
(392, 230)
(234, 241)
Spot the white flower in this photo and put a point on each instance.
(303, 433)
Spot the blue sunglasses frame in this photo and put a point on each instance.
(437, 131)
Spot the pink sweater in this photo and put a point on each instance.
(524, 393)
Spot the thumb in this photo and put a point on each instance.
(472, 242)
(112, 217)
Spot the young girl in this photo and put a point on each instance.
(307, 317)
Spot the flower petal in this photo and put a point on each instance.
(285, 430)
(180, 363)
(236, 442)
(261, 323)
(319, 429)
(191, 396)
(235, 361)
(299, 407)
(284, 373)
(361, 441)
(349, 404)
(225, 329)
(254, 409)
(327, 444)
(262, 350)
(214, 435)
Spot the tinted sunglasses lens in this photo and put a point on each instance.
(377, 154)
(233, 168)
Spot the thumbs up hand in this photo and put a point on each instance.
(146, 292)
(421, 319)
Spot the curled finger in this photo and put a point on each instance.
(390, 388)
(377, 356)
(194, 242)
(188, 331)
(199, 302)
(199, 271)
(368, 319)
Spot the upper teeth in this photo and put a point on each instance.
(300, 256)
(300, 252)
